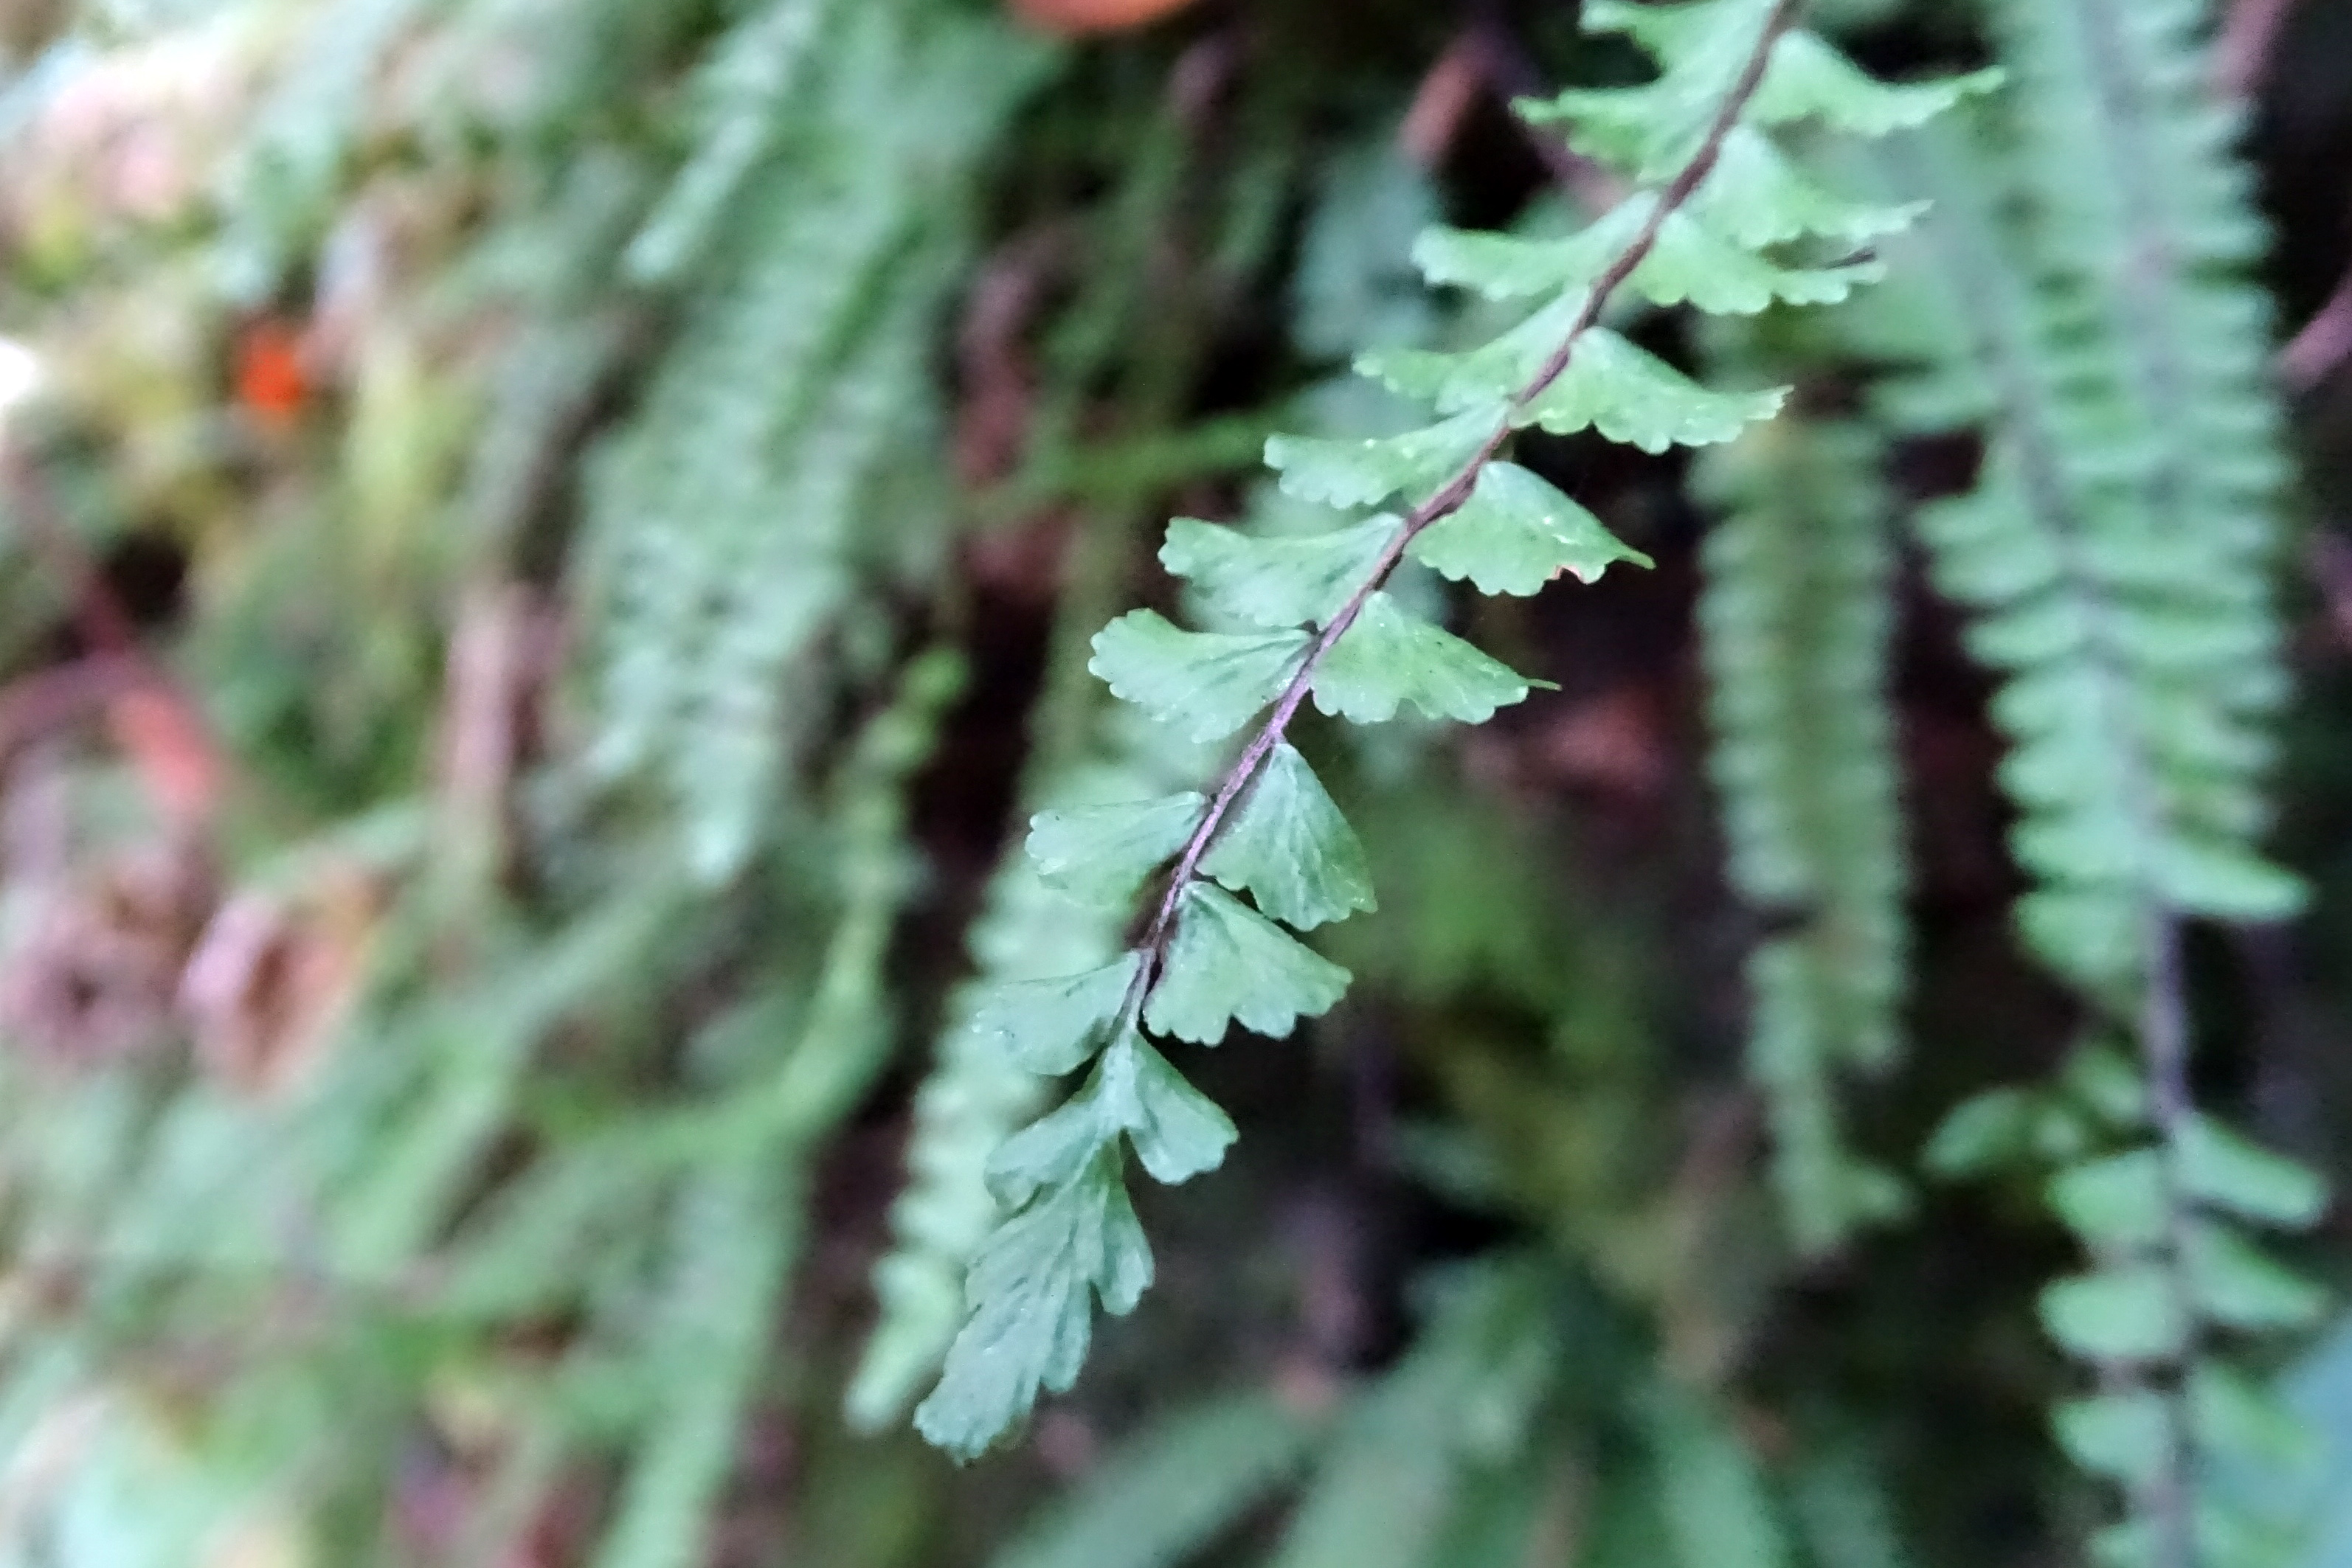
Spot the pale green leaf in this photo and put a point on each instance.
(1178, 1132)
(2109, 1085)
(1485, 377)
(2224, 882)
(1051, 1027)
(1230, 964)
(1983, 1133)
(2234, 1282)
(1415, 465)
(2124, 1437)
(1514, 267)
(1205, 684)
(2133, 1542)
(1631, 395)
(1516, 533)
(1756, 196)
(1032, 1290)
(1646, 130)
(1052, 1151)
(1112, 1252)
(1655, 128)
(2226, 1170)
(1389, 657)
(2091, 934)
(1692, 263)
(1687, 262)
(1288, 845)
(2238, 1414)
(2127, 1313)
(1717, 1501)
(2116, 1202)
(1809, 79)
(1275, 581)
(1669, 33)
(1100, 854)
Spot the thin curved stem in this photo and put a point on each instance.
(1456, 491)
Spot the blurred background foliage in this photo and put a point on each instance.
(546, 546)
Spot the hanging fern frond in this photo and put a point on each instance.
(720, 1301)
(1157, 1501)
(732, 1236)
(2120, 546)
(1464, 1402)
(744, 94)
(1206, 959)
(2117, 556)
(1798, 618)
(725, 515)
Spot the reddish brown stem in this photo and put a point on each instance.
(1456, 491)
(2324, 342)
(2248, 38)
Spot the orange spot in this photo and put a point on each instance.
(1080, 16)
(271, 383)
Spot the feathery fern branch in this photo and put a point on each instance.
(1798, 618)
(1456, 492)
(2117, 556)
(1717, 211)
(750, 1176)
(722, 518)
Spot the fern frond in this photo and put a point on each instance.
(2118, 552)
(1208, 959)
(709, 597)
(719, 1303)
(1461, 1402)
(745, 90)
(732, 1236)
(1798, 616)
(1171, 1492)
(2117, 556)
(724, 518)
(972, 1101)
